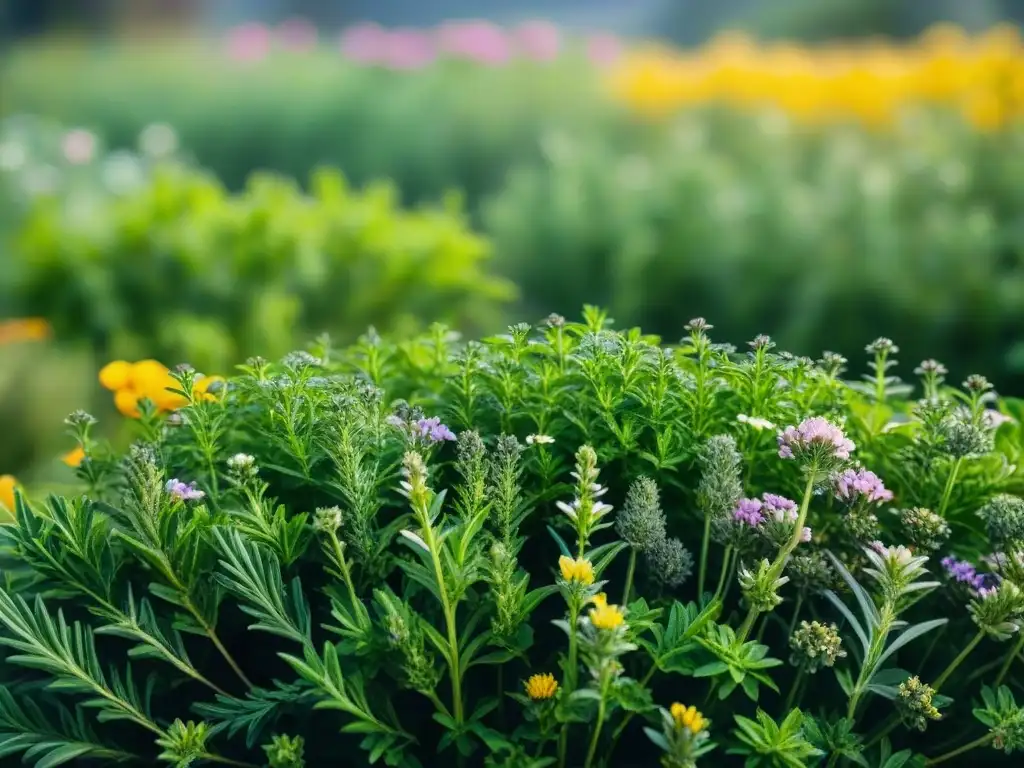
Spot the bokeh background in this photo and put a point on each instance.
(202, 180)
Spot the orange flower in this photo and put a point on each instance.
(116, 375)
(152, 380)
(127, 402)
(7, 484)
(24, 329)
(73, 458)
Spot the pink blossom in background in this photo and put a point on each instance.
(297, 35)
(248, 42)
(538, 40)
(78, 146)
(478, 41)
(409, 49)
(365, 43)
(603, 49)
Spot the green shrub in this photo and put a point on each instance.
(824, 238)
(303, 564)
(453, 125)
(184, 270)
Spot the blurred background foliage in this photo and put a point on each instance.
(202, 181)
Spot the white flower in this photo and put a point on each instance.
(12, 156)
(158, 140)
(539, 439)
(241, 461)
(755, 421)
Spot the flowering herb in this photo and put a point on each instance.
(391, 560)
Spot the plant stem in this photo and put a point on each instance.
(570, 676)
(346, 575)
(629, 576)
(948, 490)
(1003, 670)
(629, 715)
(704, 544)
(227, 761)
(722, 574)
(979, 742)
(597, 729)
(212, 634)
(453, 638)
(796, 615)
(791, 697)
(780, 559)
(957, 661)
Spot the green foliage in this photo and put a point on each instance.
(184, 270)
(407, 548)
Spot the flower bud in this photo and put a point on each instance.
(914, 703)
(815, 645)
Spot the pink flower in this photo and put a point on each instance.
(538, 40)
(852, 485)
(748, 511)
(478, 41)
(780, 509)
(805, 534)
(365, 43)
(603, 49)
(297, 35)
(78, 146)
(248, 42)
(814, 435)
(408, 49)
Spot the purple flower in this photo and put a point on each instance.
(805, 534)
(963, 572)
(853, 485)
(538, 40)
(748, 511)
(779, 508)
(814, 434)
(183, 491)
(433, 430)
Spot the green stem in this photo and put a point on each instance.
(629, 576)
(791, 696)
(227, 761)
(796, 615)
(722, 574)
(629, 715)
(948, 490)
(1003, 670)
(346, 575)
(212, 634)
(705, 543)
(780, 560)
(570, 676)
(979, 742)
(597, 729)
(957, 661)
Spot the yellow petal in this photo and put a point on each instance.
(116, 375)
(127, 402)
(73, 458)
(7, 483)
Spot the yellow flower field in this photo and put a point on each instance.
(980, 77)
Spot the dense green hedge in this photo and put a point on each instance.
(827, 240)
(184, 270)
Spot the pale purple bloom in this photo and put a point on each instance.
(183, 491)
(478, 41)
(993, 419)
(748, 511)
(814, 433)
(365, 43)
(603, 49)
(963, 572)
(433, 430)
(986, 592)
(248, 42)
(805, 534)
(408, 49)
(779, 508)
(853, 485)
(538, 40)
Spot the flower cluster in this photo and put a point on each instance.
(816, 442)
(914, 702)
(816, 645)
(541, 687)
(150, 380)
(181, 491)
(578, 571)
(963, 572)
(924, 529)
(854, 486)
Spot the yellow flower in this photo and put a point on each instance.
(116, 375)
(23, 329)
(688, 718)
(578, 571)
(73, 458)
(7, 484)
(200, 390)
(600, 600)
(606, 616)
(541, 687)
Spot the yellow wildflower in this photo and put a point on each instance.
(116, 375)
(152, 380)
(541, 687)
(7, 483)
(606, 616)
(73, 458)
(23, 329)
(600, 600)
(578, 571)
(688, 718)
